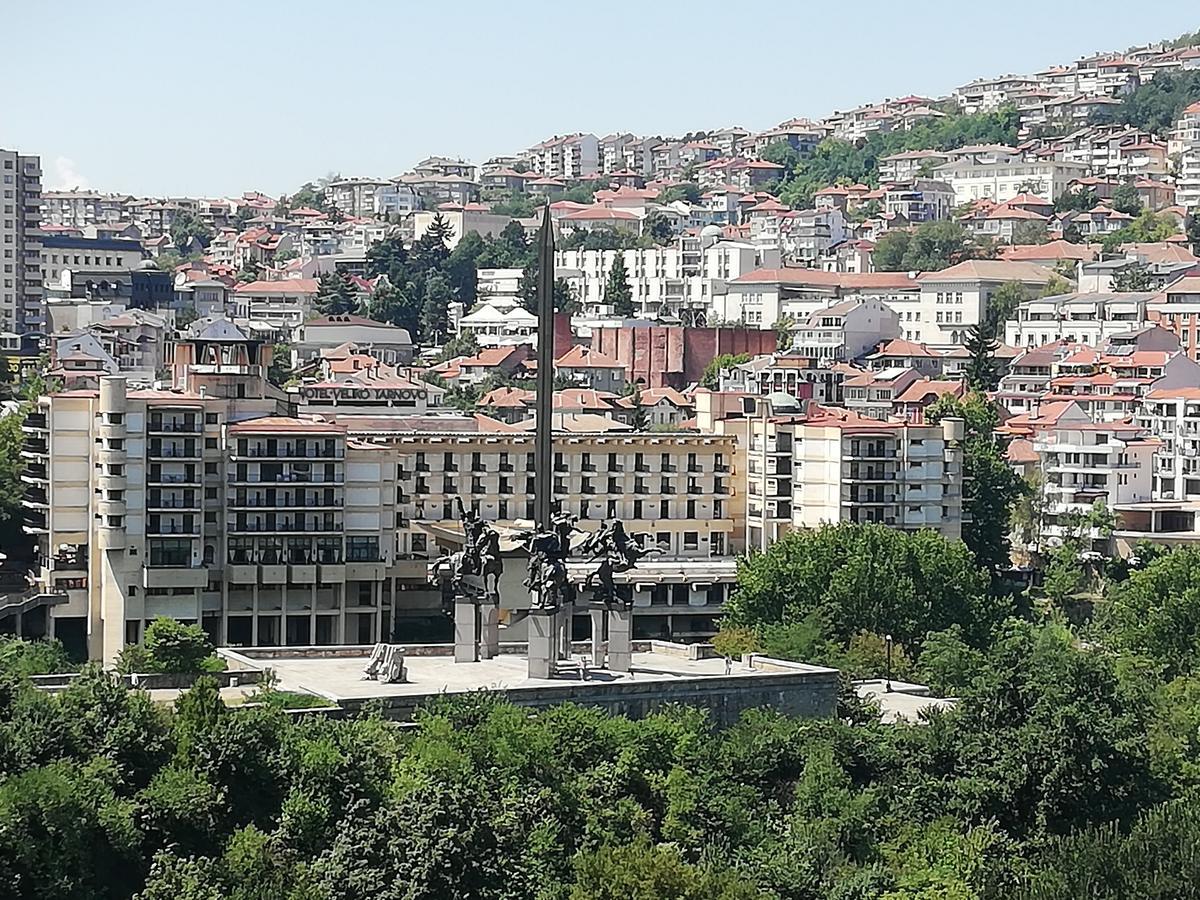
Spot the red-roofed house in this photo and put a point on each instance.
(283, 303)
(592, 368)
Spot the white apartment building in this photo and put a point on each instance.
(79, 209)
(22, 306)
(678, 281)
(1000, 173)
(570, 157)
(818, 465)
(1083, 463)
(1090, 318)
(986, 94)
(763, 296)
(954, 299)
(396, 199)
(356, 196)
(284, 303)
(1185, 141)
(844, 331)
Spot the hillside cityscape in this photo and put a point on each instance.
(802, 513)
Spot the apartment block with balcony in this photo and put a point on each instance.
(1185, 142)
(22, 304)
(675, 492)
(812, 465)
(1083, 463)
(208, 504)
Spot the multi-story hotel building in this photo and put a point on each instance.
(814, 465)
(206, 502)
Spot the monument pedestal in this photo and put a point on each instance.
(620, 639)
(466, 631)
(489, 631)
(597, 617)
(543, 643)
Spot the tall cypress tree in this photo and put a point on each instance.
(981, 372)
(435, 309)
(617, 292)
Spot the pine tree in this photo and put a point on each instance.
(640, 420)
(617, 293)
(440, 230)
(435, 310)
(981, 372)
(335, 295)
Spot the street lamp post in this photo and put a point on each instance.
(888, 671)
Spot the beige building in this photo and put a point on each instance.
(206, 503)
(809, 466)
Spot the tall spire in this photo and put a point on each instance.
(543, 473)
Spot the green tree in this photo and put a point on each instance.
(617, 293)
(280, 370)
(1192, 226)
(982, 371)
(640, 420)
(1030, 233)
(336, 296)
(465, 344)
(16, 543)
(250, 272)
(1148, 227)
(658, 228)
(930, 247)
(23, 658)
(1078, 199)
(435, 310)
(641, 871)
(564, 294)
(686, 191)
(1134, 277)
(872, 577)
(991, 488)
(711, 376)
(1125, 199)
(170, 646)
(1156, 612)
(1155, 105)
(309, 196)
(186, 227)
(395, 306)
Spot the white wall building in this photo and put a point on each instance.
(1000, 173)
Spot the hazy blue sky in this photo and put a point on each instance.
(220, 97)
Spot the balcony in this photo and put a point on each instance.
(174, 574)
(285, 478)
(171, 451)
(173, 528)
(172, 503)
(173, 478)
(289, 451)
(73, 559)
(174, 426)
(34, 423)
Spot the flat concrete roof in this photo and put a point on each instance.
(340, 677)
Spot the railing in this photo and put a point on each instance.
(284, 478)
(292, 452)
(172, 503)
(175, 427)
(172, 478)
(174, 452)
(172, 528)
